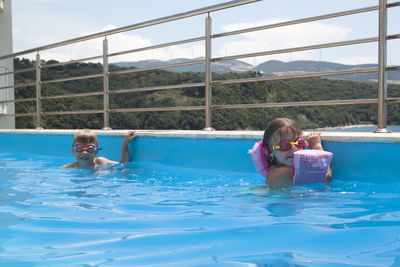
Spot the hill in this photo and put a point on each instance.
(279, 68)
(271, 68)
(310, 89)
(218, 67)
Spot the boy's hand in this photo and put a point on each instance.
(314, 140)
(129, 137)
(125, 156)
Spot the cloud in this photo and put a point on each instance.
(267, 40)
(121, 42)
(280, 38)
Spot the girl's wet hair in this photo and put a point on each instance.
(285, 128)
(85, 136)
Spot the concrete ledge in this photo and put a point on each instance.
(326, 136)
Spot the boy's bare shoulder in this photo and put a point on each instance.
(102, 161)
(70, 165)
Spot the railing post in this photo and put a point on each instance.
(3, 83)
(208, 78)
(382, 74)
(106, 89)
(38, 93)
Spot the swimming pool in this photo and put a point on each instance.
(194, 199)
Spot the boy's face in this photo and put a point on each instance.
(84, 157)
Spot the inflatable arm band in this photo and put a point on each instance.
(259, 156)
(310, 166)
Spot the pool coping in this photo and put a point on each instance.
(326, 136)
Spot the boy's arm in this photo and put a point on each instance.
(125, 156)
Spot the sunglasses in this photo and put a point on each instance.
(286, 145)
(90, 148)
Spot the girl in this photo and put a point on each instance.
(282, 138)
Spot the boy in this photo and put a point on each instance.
(85, 149)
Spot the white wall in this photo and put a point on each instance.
(6, 47)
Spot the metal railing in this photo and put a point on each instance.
(208, 83)
(4, 94)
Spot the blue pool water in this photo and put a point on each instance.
(148, 213)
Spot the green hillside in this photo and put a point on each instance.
(260, 92)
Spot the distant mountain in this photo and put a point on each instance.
(270, 68)
(218, 67)
(279, 68)
(275, 66)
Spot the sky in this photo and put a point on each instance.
(41, 22)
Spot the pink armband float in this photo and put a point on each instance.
(310, 166)
(259, 156)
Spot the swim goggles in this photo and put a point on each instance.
(90, 148)
(286, 145)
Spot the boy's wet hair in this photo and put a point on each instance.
(85, 136)
(285, 128)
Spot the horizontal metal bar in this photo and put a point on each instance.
(6, 73)
(392, 68)
(394, 4)
(217, 107)
(17, 71)
(18, 100)
(310, 75)
(73, 78)
(69, 62)
(7, 87)
(7, 115)
(23, 85)
(158, 67)
(298, 104)
(71, 112)
(392, 100)
(25, 70)
(18, 86)
(298, 49)
(393, 36)
(24, 100)
(163, 87)
(136, 26)
(21, 115)
(71, 95)
(298, 21)
(158, 109)
(197, 39)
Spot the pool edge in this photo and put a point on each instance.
(326, 136)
